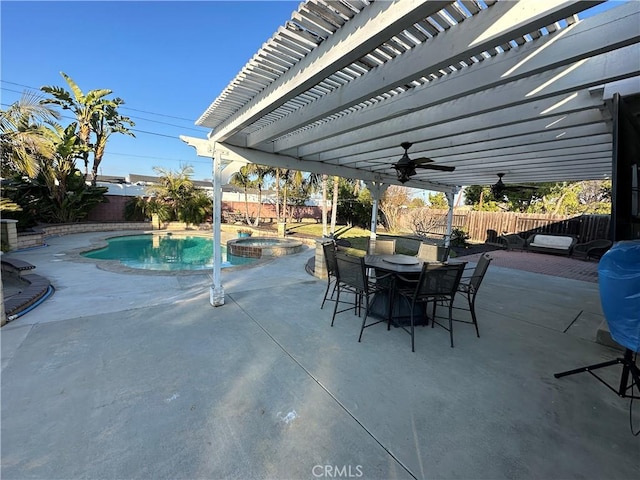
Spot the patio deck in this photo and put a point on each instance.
(137, 376)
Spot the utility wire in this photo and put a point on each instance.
(123, 107)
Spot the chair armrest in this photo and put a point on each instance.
(407, 280)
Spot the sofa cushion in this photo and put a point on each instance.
(552, 241)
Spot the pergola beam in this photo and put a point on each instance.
(448, 48)
(354, 40)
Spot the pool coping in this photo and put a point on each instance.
(114, 266)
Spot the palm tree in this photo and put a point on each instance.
(260, 172)
(173, 189)
(24, 137)
(94, 114)
(242, 180)
(84, 107)
(177, 198)
(58, 169)
(104, 123)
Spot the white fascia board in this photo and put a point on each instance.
(569, 80)
(448, 47)
(365, 32)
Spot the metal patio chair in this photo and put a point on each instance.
(385, 247)
(437, 284)
(329, 250)
(469, 286)
(352, 279)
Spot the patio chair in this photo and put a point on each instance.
(469, 286)
(428, 252)
(351, 278)
(385, 247)
(512, 241)
(437, 284)
(329, 250)
(593, 249)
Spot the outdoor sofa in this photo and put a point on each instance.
(550, 243)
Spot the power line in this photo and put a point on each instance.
(207, 162)
(123, 107)
(134, 130)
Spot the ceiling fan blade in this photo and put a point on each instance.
(521, 187)
(442, 168)
(421, 160)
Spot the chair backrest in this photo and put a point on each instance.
(480, 270)
(351, 271)
(440, 280)
(385, 247)
(428, 252)
(329, 250)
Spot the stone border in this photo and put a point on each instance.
(278, 247)
(75, 255)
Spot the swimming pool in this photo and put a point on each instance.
(164, 252)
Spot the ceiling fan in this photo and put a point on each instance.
(499, 188)
(406, 167)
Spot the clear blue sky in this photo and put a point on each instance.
(167, 60)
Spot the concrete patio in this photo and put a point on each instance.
(122, 375)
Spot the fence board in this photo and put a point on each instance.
(488, 226)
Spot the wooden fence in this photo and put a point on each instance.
(488, 226)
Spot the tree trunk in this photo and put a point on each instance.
(246, 207)
(334, 206)
(278, 195)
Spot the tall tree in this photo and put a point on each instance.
(105, 123)
(393, 202)
(242, 179)
(177, 198)
(95, 113)
(334, 205)
(24, 136)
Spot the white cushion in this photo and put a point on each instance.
(551, 241)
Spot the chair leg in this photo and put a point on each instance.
(364, 320)
(472, 307)
(413, 348)
(451, 322)
(433, 314)
(326, 292)
(335, 308)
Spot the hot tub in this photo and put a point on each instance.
(258, 247)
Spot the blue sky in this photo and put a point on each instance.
(167, 60)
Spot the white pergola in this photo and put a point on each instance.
(514, 87)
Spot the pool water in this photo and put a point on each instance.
(164, 252)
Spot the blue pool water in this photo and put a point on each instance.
(164, 252)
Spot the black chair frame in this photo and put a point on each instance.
(352, 279)
(468, 289)
(438, 283)
(329, 250)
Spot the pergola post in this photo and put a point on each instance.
(207, 148)
(216, 293)
(450, 199)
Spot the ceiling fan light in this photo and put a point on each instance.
(404, 173)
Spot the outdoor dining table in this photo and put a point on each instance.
(405, 265)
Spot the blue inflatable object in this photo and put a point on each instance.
(619, 278)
